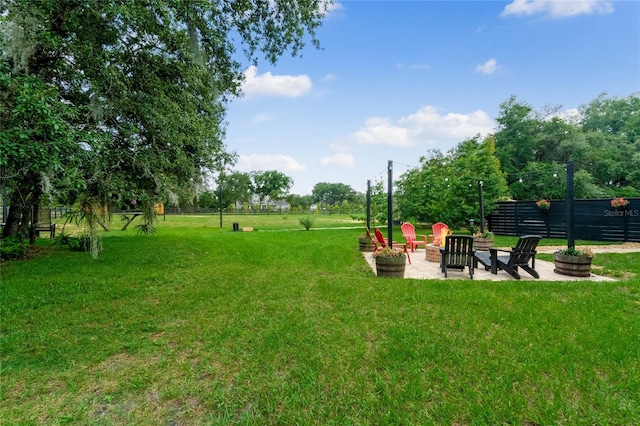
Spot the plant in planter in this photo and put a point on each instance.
(543, 204)
(573, 262)
(482, 241)
(390, 262)
(365, 243)
(619, 203)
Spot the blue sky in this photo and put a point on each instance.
(396, 79)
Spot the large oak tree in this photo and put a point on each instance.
(120, 102)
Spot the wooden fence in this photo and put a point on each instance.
(593, 220)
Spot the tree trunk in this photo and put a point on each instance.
(34, 223)
(13, 221)
(21, 207)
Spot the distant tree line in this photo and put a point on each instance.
(240, 188)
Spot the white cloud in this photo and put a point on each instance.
(424, 127)
(380, 131)
(267, 84)
(282, 163)
(430, 124)
(328, 77)
(341, 159)
(340, 146)
(260, 118)
(489, 67)
(558, 8)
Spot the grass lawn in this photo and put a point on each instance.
(201, 325)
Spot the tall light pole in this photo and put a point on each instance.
(481, 207)
(390, 202)
(369, 204)
(220, 177)
(223, 165)
(571, 242)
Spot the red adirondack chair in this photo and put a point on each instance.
(409, 234)
(384, 242)
(374, 241)
(440, 232)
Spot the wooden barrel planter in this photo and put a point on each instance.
(574, 266)
(365, 244)
(482, 244)
(391, 266)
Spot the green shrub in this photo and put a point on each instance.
(485, 234)
(13, 248)
(572, 251)
(146, 229)
(81, 243)
(307, 222)
(63, 239)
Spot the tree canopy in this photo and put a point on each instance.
(236, 187)
(445, 187)
(119, 101)
(332, 193)
(603, 142)
(271, 184)
(526, 158)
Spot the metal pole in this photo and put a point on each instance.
(571, 243)
(389, 203)
(369, 204)
(481, 207)
(220, 196)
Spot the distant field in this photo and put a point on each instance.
(257, 221)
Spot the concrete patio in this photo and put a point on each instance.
(420, 268)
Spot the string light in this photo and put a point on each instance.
(409, 167)
(520, 176)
